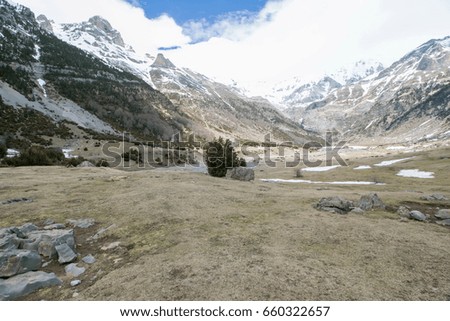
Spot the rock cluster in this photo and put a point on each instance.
(23, 249)
(340, 205)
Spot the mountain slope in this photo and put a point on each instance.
(39, 71)
(395, 101)
(211, 108)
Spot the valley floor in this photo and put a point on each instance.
(188, 236)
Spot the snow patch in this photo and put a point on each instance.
(37, 56)
(320, 169)
(10, 153)
(362, 167)
(391, 162)
(276, 180)
(42, 83)
(415, 173)
(396, 147)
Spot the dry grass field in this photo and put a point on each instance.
(188, 236)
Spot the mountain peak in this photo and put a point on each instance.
(103, 26)
(163, 62)
(44, 23)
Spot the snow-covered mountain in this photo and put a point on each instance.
(398, 101)
(211, 108)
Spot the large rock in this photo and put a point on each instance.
(444, 222)
(403, 211)
(335, 204)
(9, 242)
(13, 262)
(28, 228)
(418, 216)
(370, 202)
(443, 214)
(23, 284)
(241, 174)
(65, 254)
(45, 242)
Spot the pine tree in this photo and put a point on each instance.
(219, 156)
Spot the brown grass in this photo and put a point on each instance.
(188, 236)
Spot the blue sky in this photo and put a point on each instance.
(183, 11)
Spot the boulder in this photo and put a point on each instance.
(23, 284)
(45, 241)
(241, 174)
(9, 242)
(28, 228)
(443, 214)
(73, 270)
(418, 216)
(335, 204)
(370, 202)
(65, 254)
(13, 262)
(444, 222)
(403, 212)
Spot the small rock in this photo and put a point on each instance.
(16, 200)
(418, 216)
(357, 210)
(18, 232)
(403, 212)
(444, 222)
(49, 222)
(75, 295)
(89, 259)
(101, 232)
(23, 284)
(404, 220)
(75, 283)
(55, 227)
(111, 246)
(370, 202)
(83, 223)
(241, 174)
(74, 271)
(65, 254)
(13, 262)
(443, 214)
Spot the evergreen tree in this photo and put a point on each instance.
(219, 156)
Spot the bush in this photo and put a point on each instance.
(133, 155)
(102, 163)
(219, 156)
(37, 156)
(74, 161)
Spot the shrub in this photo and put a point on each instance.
(133, 155)
(102, 163)
(37, 156)
(219, 156)
(74, 161)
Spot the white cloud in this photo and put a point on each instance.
(303, 38)
(307, 38)
(145, 35)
